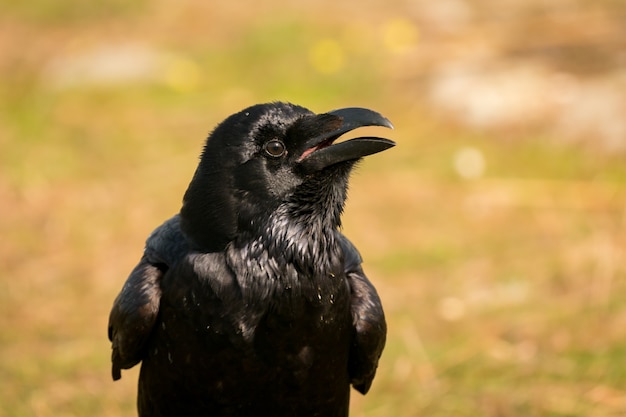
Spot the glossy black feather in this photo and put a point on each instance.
(251, 302)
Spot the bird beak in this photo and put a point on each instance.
(320, 152)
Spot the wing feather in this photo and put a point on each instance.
(136, 308)
(368, 320)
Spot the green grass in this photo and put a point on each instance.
(504, 294)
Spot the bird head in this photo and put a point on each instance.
(269, 156)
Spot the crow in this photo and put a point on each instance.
(250, 301)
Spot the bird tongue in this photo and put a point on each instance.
(321, 145)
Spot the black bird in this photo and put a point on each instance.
(251, 302)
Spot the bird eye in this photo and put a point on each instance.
(275, 148)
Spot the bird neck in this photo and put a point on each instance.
(290, 260)
(292, 235)
(295, 249)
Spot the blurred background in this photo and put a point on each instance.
(494, 231)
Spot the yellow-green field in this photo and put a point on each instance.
(498, 251)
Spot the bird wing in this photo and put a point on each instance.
(368, 320)
(136, 307)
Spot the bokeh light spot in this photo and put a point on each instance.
(327, 56)
(400, 35)
(469, 163)
(182, 74)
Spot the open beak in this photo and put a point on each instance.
(320, 152)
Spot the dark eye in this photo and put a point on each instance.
(275, 148)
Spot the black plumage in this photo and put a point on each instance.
(251, 302)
